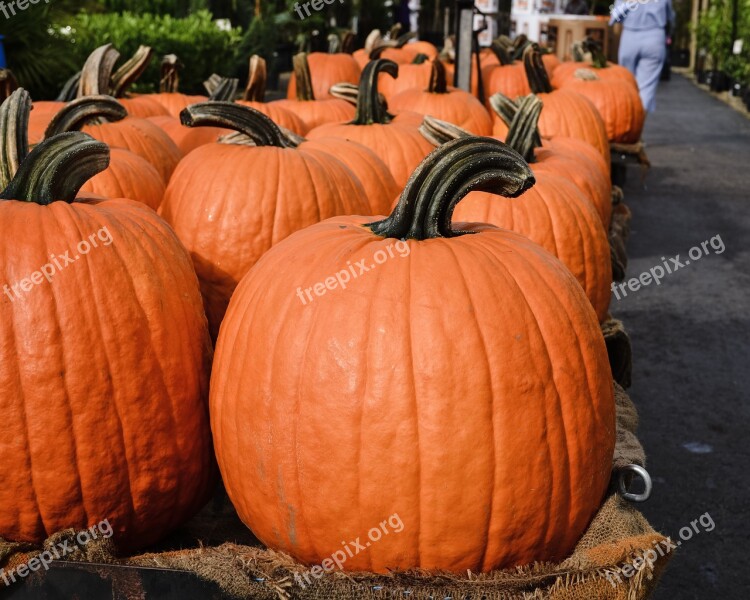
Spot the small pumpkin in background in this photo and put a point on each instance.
(254, 97)
(413, 75)
(313, 112)
(169, 95)
(599, 64)
(507, 76)
(485, 350)
(447, 103)
(230, 202)
(617, 101)
(571, 157)
(379, 186)
(566, 113)
(97, 78)
(325, 70)
(103, 120)
(396, 140)
(104, 363)
(188, 139)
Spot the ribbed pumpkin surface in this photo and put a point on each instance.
(465, 387)
(103, 376)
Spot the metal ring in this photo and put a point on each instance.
(643, 473)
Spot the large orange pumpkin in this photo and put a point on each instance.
(140, 136)
(447, 103)
(229, 203)
(314, 112)
(104, 360)
(438, 389)
(396, 140)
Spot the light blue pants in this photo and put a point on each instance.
(642, 52)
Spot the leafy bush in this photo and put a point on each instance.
(197, 40)
(40, 60)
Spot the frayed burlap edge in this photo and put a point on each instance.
(617, 535)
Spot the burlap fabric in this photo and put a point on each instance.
(217, 547)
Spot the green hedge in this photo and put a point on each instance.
(196, 40)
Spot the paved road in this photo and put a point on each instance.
(691, 337)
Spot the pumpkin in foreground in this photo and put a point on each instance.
(103, 360)
(452, 375)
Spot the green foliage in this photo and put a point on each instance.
(714, 32)
(40, 60)
(176, 8)
(201, 46)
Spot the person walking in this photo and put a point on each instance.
(646, 24)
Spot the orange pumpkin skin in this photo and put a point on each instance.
(315, 113)
(326, 70)
(557, 216)
(509, 80)
(372, 172)
(230, 203)
(174, 102)
(391, 367)
(40, 117)
(133, 310)
(410, 50)
(618, 103)
(399, 144)
(141, 137)
(455, 106)
(128, 176)
(568, 114)
(410, 76)
(278, 114)
(583, 165)
(551, 62)
(143, 106)
(187, 139)
(566, 71)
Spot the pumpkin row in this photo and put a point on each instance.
(417, 389)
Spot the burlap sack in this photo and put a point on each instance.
(243, 568)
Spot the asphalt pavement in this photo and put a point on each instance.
(691, 337)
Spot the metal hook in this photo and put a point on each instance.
(643, 473)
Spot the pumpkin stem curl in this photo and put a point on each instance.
(522, 132)
(438, 80)
(14, 124)
(57, 168)
(370, 109)
(255, 91)
(169, 82)
(243, 119)
(302, 78)
(535, 71)
(88, 109)
(444, 178)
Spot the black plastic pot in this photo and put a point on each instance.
(737, 88)
(720, 81)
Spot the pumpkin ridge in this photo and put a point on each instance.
(481, 336)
